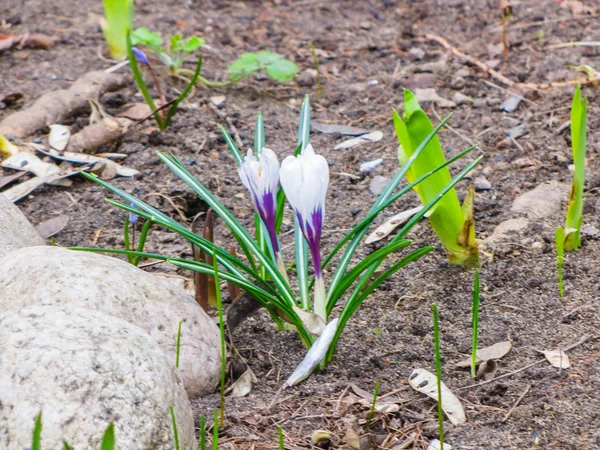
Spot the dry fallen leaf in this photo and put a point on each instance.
(435, 444)
(138, 111)
(243, 385)
(495, 351)
(59, 137)
(50, 227)
(430, 95)
(375, 136)
(425, 382)
(557, 358)
(391, 224)
(31, 163)
(369, 396)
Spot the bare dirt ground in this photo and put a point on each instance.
(359, 43)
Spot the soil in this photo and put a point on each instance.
(368, 51)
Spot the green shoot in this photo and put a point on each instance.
(175, 432)
(276, 66)
(36, 441)
(162, 120)
(317, 68)
(215, 439)
(452, 223)
(202, 443)
(178, 343)
(438, 372)
(281, 442)
(222, 332)
(475, 323)
(108, 440)
(560, 257)
(66, 446)
(142, 241)
(118, 21)
(375, 394)
(578, 138)
(126, 238)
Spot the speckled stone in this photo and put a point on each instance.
(84, 369)
(15, 230)
(57, 276)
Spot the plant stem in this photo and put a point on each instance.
(475, 323)
(372, 411)
(213, 84)
(320, 302)
(222, 332)
(142, 242)
(215, 440)
(202, 444)
(126, 238)
(438, 372)
(178, 344)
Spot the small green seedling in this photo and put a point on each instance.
(276, 66)
(452, 223)
(175, 431)
(475, 323)
(167, 110)
(438, 372)
(36, 440)
(116, 23)
(569, 238)
(108, 440)
(375, 395)
(178, 343)
(281, 442)
(129, 237)
(202, 443)
(174, 54)
(215, 439)
(222, 333)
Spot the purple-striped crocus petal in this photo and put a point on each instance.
(140, 56)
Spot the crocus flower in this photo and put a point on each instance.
(261, 177)
(305, 179)
(140, 55)
(132, 216)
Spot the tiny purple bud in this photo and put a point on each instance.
(140, 56)
(132, 216)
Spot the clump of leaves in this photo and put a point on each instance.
(276, 66)
(569, 237)
(172, 55)
(453, 224)
(116, 23)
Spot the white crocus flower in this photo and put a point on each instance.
(305, 179)
(261, 178)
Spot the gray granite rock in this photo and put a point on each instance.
(84, 369)
(541, 202)
(56, 276)
(15, 229)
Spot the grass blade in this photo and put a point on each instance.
(438, 372)
(215, 440)
(108, 440)
(202, 443)
(222, 335)
(475, 323)
(239, 159)
(175, 432)
(178, 343)
(36, 440)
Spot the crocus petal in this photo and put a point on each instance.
(140, 56)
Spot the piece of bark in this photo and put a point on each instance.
(93, 137)
(56, 106)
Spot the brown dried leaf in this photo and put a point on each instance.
(53, 226)
(496, 351)
(136, 112)
(243, 385)
(557, 358)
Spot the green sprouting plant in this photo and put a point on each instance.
(172, 55)
(375, 394)
(36, 440)
(202, 443)
(276, 66)
(162, 115)
(475, 323)
(281, 441)
(438, 372)
(452, 223)
(215, 439)
(129, 237)
(222, 333)
(569, 237)
(175, 431)
(117, 22)
(178, 343)
(560, 258)
(263, 273)
(108, 440)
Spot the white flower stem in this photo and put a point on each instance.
(320, 299)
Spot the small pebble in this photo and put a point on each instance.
(307, 77)
(523, 162)
(460, 99)
(458, 83)
(366, 167)
(481, 183)
(416, 53)
(378, 184)
(373, 83)
(464, 72)
(479, 103)
(590, 230)
(511, 104)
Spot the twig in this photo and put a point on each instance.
(498, 76)
(583, 339)
(516, 404)
(489, 83)
(574, 44)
